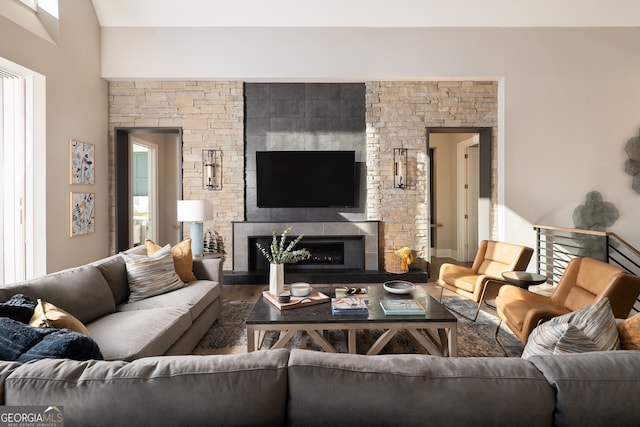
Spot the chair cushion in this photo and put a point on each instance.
(130, 335)
(182, 258)
(196, 297)
(629, 331)
(151, 275)
(591, 328)
(114, 271)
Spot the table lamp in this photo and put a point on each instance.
(195, 211)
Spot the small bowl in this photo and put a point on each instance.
(398, 287)
(300, 289)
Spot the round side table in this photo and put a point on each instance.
(523, 279)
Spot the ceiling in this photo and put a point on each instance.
(368, 13)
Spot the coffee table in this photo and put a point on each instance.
(435, 332)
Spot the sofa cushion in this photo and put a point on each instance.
(593, 389)
(6, 368)
(19, 307)
(150, 275)
(24, 343)
(81, 291)
(182, 258)
(231, 390)
(591, 328)
(47, 315)
(629, 331)
(114, 271)
(196, 297)
(414, 390)
(130, 335)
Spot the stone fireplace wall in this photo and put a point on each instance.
(211, 114)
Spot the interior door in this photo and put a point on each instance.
(472, 187)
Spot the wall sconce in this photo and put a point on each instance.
(400, 167)
(211, 172)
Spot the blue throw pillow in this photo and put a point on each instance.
(18, 307)
(22, 343)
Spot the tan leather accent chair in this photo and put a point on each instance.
(483, 279)
(584, 282)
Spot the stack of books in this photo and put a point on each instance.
(349, 305)
(400, 307)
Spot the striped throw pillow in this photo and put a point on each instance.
(592, 328)
(151, 275)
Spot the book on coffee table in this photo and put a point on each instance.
(349, 305)
(401, 307)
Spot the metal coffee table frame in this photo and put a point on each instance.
(434, 333)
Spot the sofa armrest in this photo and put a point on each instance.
(208, 269)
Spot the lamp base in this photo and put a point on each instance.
(197, 243)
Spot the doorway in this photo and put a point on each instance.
(146, 160)
(459, 191)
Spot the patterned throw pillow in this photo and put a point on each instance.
(592, 328)
(151, 275)
(629, 331)
(182, 258)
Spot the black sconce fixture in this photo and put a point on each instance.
(400, 168)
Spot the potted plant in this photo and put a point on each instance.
(279, 254)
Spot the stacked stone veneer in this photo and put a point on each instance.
(211, 115)
(397, 114)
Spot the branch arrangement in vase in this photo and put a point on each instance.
(281, 253)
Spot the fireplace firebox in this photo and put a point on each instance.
(326, 253)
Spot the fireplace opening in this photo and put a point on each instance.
(325, 253)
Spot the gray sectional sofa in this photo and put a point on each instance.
(97, 295)
(310, 388)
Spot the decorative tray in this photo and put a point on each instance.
(314, 297)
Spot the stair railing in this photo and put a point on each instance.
(556, 246)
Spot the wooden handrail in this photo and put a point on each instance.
(573, 230)
(625, 243)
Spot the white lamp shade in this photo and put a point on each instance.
(194, 210)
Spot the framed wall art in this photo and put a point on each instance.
(82, 162)
(82, 213)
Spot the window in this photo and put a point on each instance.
(22, 173)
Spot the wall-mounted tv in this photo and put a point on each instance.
(305, 179)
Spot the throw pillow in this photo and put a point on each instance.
(182, 258)
(47, 315)
(19, 307)
(629, 331)
(592, 328)
(151, 275)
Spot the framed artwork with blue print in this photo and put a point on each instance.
(82, 213)
(82, 162)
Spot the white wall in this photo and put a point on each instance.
(76, 107)
(570, 96)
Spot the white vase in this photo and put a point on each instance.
(276, 279)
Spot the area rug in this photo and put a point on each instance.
(475, 339)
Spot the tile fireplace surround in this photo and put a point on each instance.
(244, 231)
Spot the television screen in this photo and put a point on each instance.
(301, 179)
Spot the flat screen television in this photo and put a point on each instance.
(305, 179)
